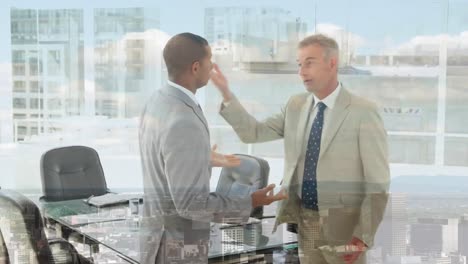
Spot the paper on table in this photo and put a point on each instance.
(103, 215)
(250, 221)
(111, 199)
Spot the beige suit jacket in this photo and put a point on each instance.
(352, 171)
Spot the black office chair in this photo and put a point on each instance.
(68, 173)
(251, 175)
(4, 257)
(22, 234)
(72, 172)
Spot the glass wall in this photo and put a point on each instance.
(80, 73)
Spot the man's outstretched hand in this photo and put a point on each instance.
(266, 196)
(359, 245)
(221, 160)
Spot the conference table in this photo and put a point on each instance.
(117, 229)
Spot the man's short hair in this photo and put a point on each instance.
(181, 51)
(328, 44)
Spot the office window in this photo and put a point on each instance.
(135, 56)
(136, 72)
(34, 103)
(36, 115)
(457, 109)
(54, 87)
(34, 87)
(54, 62)
(411, 149)
(22, 130)
(135, 43)
(19, 70)
(406, 103)
(19, 103)
(456, 151)
(19, 116)
(457, 60)
(54, 104)
(33, 66)
(19, 87)
(34, 130)
(19, 56)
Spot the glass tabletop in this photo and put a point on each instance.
(59, 209)
(74, 213)
(123, 238)
(116, 228)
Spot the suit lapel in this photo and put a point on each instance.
(201, 116)
(171, 91)
(337, 116)
(302, 122)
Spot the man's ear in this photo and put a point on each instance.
(334, 62)
(195, 67)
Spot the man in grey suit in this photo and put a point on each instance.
(336, 168)
(175, 152)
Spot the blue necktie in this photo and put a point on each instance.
(309, 183)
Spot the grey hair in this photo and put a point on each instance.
(328, 44)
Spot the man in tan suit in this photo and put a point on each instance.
(336, 168)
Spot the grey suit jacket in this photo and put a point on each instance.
(178, 206)
(352, 171)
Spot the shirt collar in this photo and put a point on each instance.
(330, 100)
(185, 91)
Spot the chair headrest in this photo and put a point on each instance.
(251, 175)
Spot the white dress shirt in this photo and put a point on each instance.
(329, 101)
(185, 91)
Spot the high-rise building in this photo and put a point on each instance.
(233, 239)
(463, 235)
(255, 39)
(127, 64)
(391, 235)
(434, 237)
(457, 258)
(47, 67)
(403, 260)
(48, 64)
